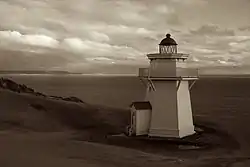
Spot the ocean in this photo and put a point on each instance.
(209, 94)
(111, 91)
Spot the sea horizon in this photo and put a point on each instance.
(121, 75)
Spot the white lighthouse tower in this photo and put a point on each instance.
(167, 93)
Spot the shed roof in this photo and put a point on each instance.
(141, 105)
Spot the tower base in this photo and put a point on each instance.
(171, 133)
(171, 110)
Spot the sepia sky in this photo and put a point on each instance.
(114, 36)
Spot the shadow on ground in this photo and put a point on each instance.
(208, 139)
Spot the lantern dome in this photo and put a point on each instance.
(168, 45)
(168, 41)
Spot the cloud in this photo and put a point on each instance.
(226, 63)
(37, 40)
(212, 30)
(100, 60)
(240, 46)
(100, 37)
(174, 19)
(132, 17)
(117, 32)
(244, 28)
(75, 44)
(22, 60)
(97, 46)
(191, 2)
(204, 50)
(93, 48)
(164, 9)
(122, 30)
(238, 38)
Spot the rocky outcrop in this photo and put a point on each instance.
(73, 99)
(21, 88)
(11, 85)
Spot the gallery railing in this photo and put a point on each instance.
(180, 72)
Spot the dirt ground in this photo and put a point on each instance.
(35, 131)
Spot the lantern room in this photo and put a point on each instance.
(168, 45)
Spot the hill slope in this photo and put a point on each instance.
(39, 113)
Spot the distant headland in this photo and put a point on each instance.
(35, 72)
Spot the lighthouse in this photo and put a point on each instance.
(167, 109)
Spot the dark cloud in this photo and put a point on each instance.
(212, 30)
(22, 60)
(174, 19)
(244, 28)
(235, 52)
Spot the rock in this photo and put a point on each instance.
(73, 99)
(40, 94)
(56, 97)
(24, 88)
(38, 107)
(198, 130)
(9, 84)
(21, 88)
(188, 147)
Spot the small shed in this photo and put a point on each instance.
(140, 118)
